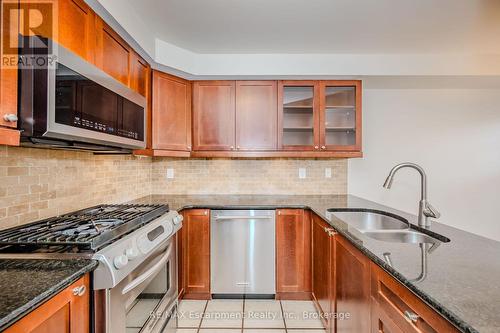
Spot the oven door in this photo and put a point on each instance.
(146, 300)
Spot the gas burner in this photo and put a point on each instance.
(139, 209)
(88, 229)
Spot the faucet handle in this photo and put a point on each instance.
(430, 211)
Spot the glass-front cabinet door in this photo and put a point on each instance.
(298, 116)
(340, 115)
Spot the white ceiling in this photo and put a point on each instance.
(322, 26)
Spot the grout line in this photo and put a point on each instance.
(283, 316)
(202, 316)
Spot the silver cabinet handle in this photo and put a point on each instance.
(12, 118)
(79, 291)
(243, 217)
(150, 272)
(412, 317)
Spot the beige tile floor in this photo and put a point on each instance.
(248, 316)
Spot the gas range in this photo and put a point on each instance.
(83, 231)
(121, 237)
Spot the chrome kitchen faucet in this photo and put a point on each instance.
(425, 209)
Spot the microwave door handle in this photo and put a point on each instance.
(150, 272)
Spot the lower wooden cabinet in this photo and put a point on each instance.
(293, 253)
(194, 257)
(397, 309)
(352, 287)
(323, 269)
(68, 311)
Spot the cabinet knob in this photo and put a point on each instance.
(323, 147)
(205, 213)
(237, 147)
(12, 118)
(316, 147)
(232, 147)
(279, 212)
(412, 317)
(189, 147)
(79, 291)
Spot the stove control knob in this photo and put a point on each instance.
(178, 219)
(120, 261)
(132, 253)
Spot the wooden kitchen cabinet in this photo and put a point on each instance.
(195, 254)
(214, 115)
(140, 74)
(76, 28)
(68, 311)
(256, 115)
(298, 115)
(340, 115)
(352, 287)
(171, 113)
(112, 53)
(293, 253)
(323, 269)
(397, 309)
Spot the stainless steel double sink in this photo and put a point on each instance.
(384, 226)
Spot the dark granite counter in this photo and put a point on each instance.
(463, 276)
(27, 283)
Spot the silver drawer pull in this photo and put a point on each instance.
(79, 291)
(12, 118)
(237, 217)
(411, 316)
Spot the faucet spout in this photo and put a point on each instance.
(425, 210)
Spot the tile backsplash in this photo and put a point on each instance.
(242, 176)
(39, 183)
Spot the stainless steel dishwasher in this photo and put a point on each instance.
(242, 253)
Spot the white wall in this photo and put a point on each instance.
(453, 133)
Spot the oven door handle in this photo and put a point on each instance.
(150, 272)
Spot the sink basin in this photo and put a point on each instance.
(402, 236)
(371, 220)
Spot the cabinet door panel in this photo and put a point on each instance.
(321, 266)
(171, 112)
(214, 115)
(293, 250)
(352, 287)
(63, 313)
(340, 115)
(298, 115)
(139, 74)
(113, 54)
(76, 30)
(256, 115)
(196, 259)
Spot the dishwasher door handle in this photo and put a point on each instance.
(240, 217)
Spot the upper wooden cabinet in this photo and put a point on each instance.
(214, 115)
(76, 28)
(293, 250)
(256, 115)
(171, 112)
(140, 73)
(340, 115)
(113, 55)
(319, 115)
(298, 103)
(68, 311)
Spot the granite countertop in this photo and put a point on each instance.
(26, 283)
(463, 275)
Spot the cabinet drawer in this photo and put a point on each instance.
(406, 310)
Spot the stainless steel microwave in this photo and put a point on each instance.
(72, 104)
